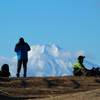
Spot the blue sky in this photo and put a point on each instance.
(70, 24)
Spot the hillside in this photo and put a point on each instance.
(47, 87)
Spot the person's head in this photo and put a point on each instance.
(81, 58)
(21, 40)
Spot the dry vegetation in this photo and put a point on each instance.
(50, 88)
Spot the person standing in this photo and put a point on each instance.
(22, 48)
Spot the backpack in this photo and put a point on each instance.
(5, 70)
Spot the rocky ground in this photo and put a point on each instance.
(50, 88)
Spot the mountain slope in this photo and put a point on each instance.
(45, 60)
(51, 60)
(48, 60)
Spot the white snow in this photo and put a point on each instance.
(48, 60)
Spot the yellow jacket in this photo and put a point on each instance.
(78, 65)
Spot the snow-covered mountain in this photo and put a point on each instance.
(48, 60)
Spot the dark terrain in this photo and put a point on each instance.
(45, 87)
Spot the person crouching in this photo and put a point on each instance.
(79, 69)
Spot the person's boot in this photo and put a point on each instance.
(24, 75)
(17, 75)
(86, 73)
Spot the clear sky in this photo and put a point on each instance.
(70, 24)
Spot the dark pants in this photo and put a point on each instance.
(19, 63)
(78, 72)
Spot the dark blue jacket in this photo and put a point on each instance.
(22, 49)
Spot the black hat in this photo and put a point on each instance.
(81, 57)
(21, 40)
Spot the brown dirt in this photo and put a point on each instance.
(50, 88)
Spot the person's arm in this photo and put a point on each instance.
(28, 48)
(15, 48)
(80, 66)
